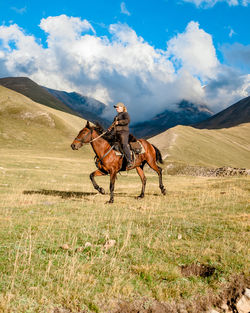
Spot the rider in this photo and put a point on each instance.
(121, 128)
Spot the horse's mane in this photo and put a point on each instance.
(109, 137)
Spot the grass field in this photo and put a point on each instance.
(63, 250)
(49, 211)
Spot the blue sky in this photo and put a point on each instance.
(156, 21)
(132, 51)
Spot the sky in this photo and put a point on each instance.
(149, 54)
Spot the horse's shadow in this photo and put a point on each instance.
(60, 193)
(66, 194)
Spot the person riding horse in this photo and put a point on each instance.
(121, 131)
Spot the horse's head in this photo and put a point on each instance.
(84, 136)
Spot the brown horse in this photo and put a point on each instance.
(108, 162)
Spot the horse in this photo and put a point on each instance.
(109, 163)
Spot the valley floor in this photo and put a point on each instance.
(62, 247)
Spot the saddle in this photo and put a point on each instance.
(135, 146)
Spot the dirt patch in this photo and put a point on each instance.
(229, 296)
(197, 270)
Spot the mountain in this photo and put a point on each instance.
(89, 108)
(234, 115)
(74, 103)
(32, 90)
(187, 114)
(186, 145)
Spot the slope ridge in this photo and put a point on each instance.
(203, 147)
(236, 114)
(35, 92)
(27, 124)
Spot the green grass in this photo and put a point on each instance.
(201, 220)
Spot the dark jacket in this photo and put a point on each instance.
(123, 122)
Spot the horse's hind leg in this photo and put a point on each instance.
(96, 186)
(156, 168)
(143, 180)
(112, 186)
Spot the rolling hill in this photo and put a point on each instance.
(203, 147)
(70, 102)
(25, 124)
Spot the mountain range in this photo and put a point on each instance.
(26, 125)
(187, 113)
(89, 108)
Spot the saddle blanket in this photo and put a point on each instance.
(135, 147)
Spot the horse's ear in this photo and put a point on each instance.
(87, 125)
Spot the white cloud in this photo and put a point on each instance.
(123, 67)
(193, 51)
(124, 9)
(211, 3)
(64, 28)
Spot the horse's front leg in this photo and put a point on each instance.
(112, 186)
(96, 186)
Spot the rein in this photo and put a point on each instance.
(100, 160)
(92, 140)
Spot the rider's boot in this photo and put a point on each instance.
(127, 153)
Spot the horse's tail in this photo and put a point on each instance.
(158, 155)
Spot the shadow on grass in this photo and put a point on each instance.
(74, 194)
(60, 193)
(67, 194)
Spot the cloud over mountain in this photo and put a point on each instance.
(122, 67)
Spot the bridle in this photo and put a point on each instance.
(91, 140)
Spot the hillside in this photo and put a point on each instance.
(26, 124)
(32, 90)
(215, 148)
(234, 115)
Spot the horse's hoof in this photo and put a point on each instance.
(139, 197)
(164, 192)
(110, 201)
(102, 191)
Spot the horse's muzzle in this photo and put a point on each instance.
(73, 147)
